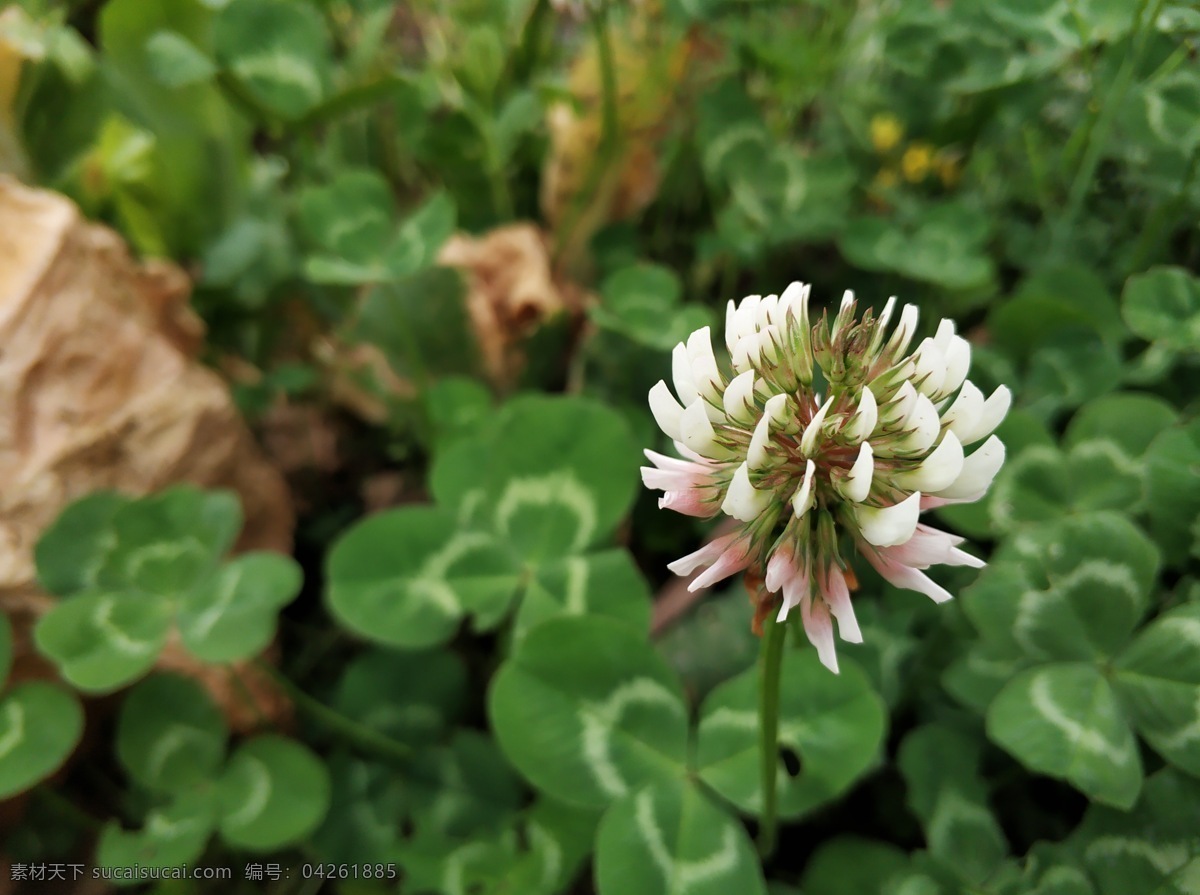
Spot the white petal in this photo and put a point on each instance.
(756, 454)
(695, 428)
(747, 316)
(901, 406)
(796, 296)
(944, 334)
(962, 416)
(958, 362)
(938, 470)
(730, 325)
(812, 432)
(978, 471)
(905, 330)
(766, 311)
(819, 628)
(889, 526)
(885, 315)
(766, 350)
(745, 353)
(776, 409)
(667, 411)
(738, 399)
(681, 373)
(743, 501)
(847, 300)
(705, 372)
(857, 485)
(924, 423)
(995, 408)
(803, 499)
(862, 423)
(929, 367)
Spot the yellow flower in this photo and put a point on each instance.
(916, 162)
(886, 132)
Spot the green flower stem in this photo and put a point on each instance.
(350, 731)
(1098, 127)
(768, 730)
(606, 151)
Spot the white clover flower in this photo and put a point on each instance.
(819, 436)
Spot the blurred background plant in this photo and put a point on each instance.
(404, 223)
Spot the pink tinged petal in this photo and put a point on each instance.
(938, 470)
(756, 454)
(667, 411)
(691, 502)
(836, 594)
(889, 526)
(819, 628)
(705, 556)
(862, 423)
(925, 426)
(781, 568)
(681, 375)
(899, 575)
(743, 501)
(674, 464)
(796, 591)
(804, 498)
(738, 399)
(929, 367)
(731, 561)
(962, 558)
(964, 413)
(695, 428)
(978, 471)
(958, 362)
(995, 408)
(705, 372)
(808, 441)
(857, 485)
(928, 547)
(669, 474)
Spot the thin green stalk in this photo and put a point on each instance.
(350, 731)
(768, 732)
(609, 128)
(1099, 127)
(1153, 231)
(608, 80)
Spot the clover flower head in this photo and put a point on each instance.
(816, 437)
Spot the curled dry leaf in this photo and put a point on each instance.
(100, 389)
(510, 290)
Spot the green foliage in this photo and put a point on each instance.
(130, 572)
(470, 695)
(171, 740)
